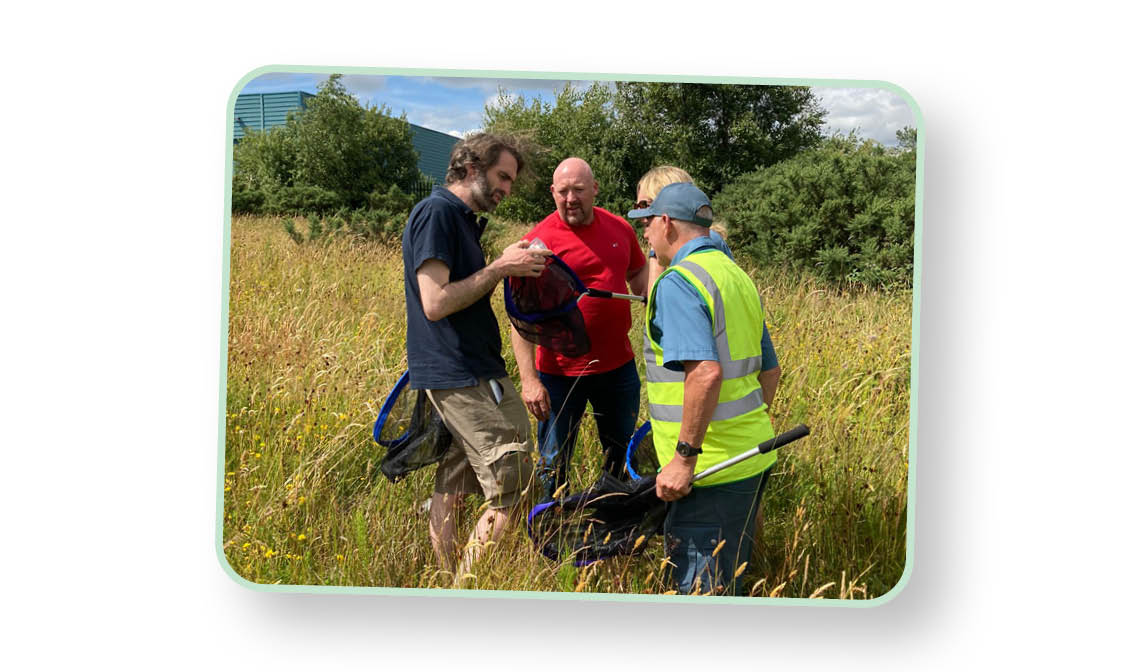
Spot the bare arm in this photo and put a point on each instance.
(702, 392)
(769, 381)
(534, 393)
(638, 280)
(441, 298)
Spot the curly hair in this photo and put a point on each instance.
(482, 150)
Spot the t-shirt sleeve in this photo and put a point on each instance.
(686, 326)
(433, 237)
(767, 351)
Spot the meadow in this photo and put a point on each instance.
(316, 340)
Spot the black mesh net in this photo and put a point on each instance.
(611, 518)
(615, 517)
(544, 310)
(411, 430)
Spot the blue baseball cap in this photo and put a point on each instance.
(680, 200)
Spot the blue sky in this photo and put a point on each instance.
(455, 104)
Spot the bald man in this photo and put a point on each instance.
(603, 250)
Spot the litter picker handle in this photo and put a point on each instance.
(794, 434)
(604, 294)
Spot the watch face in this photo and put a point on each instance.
(687, 450)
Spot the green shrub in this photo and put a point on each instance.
(301, 200)
(844, 212)
(247, 200)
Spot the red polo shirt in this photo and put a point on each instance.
(602, 253)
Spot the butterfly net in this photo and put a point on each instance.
(544, 310)
(611, 518)
(409, 427)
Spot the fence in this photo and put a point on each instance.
(422, 187)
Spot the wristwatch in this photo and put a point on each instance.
(685, 449)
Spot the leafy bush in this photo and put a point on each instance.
(302, 200)
(335, 153)
(247, 200)
(844, 211)
(367, 223)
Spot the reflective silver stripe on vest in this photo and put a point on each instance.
(724, 410)
(730, 368)
(654, 373)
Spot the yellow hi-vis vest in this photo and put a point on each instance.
(741, 418)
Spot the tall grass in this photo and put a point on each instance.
(316, 340)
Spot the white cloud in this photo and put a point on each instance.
(496, 100)
(871, 113)
(366, 86)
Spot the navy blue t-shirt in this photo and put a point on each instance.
(464, 347)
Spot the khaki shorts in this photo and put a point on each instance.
(491, 451)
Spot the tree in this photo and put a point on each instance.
(334, 153)
(716, 131)
(579, 123)
(907, 138)
(349, 149)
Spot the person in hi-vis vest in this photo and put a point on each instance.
(704, 327)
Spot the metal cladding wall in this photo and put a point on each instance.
(434, 149)
(262, 111)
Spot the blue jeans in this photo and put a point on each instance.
(615, 397)
(697, 522)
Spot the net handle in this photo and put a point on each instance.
(794, 434)
(606, 294)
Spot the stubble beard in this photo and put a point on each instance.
(481, 194)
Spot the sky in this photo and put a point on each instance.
(455, 105)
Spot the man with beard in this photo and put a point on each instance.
(602, 249)
(454, 348)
